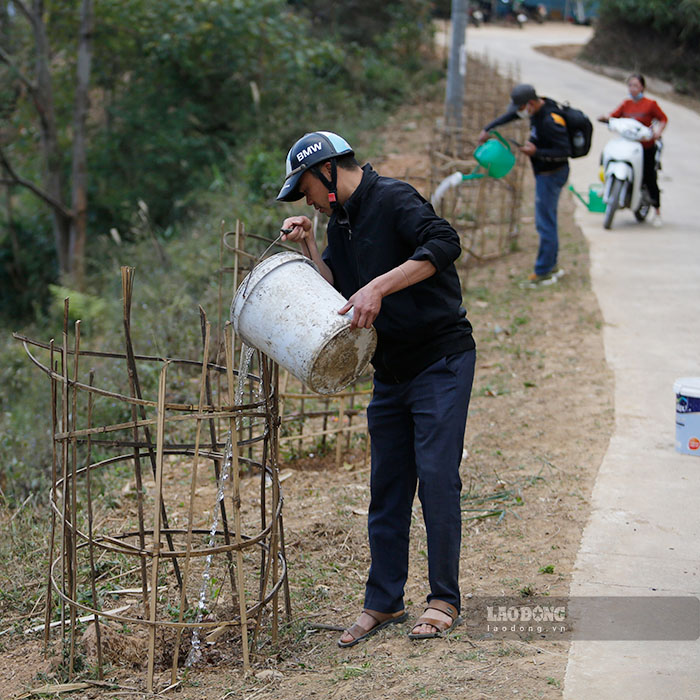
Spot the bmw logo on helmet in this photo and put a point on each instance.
(309, 150)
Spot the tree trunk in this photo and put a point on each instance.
(43, 101)
(76, 252)
(4, 25)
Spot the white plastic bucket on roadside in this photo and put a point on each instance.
(286, 309)
(687, 415)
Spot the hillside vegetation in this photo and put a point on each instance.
(659, 38)
(192, 107)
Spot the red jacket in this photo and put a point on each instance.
(643, 110)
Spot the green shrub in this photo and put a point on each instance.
(262, 172)
(25, 422)
(27, 267)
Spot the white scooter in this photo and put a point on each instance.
(623, 167)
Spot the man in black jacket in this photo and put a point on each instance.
(549, 150)
(392, 258)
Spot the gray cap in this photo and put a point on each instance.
(519, 95)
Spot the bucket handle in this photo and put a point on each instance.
(277, 240)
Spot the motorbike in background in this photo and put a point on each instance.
(622, 164)
(515, 11)
(512, 11)
(478, 13)
(535, 11)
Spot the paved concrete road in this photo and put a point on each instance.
(643, 536)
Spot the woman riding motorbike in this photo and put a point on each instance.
(648, 112)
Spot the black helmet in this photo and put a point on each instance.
(312, 149)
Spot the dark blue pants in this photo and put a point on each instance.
(417, 434)
(548, 187)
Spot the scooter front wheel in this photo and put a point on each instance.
(613, 202)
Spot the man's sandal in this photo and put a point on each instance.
(383, 619)
(441, 626)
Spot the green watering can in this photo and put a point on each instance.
(495, 156)
(595, 201)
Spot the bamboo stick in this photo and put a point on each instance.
(205, 327)
(302, 406)
(127, 289)
(157, 512)
(368, 445)
(267, 563)
(274, 548)
(65, 548)
(265, 457)
(330, 431)
(341, 395)
(338, 441)
(74, 505)
(220, 306)
(190, 513)
(275, 455)
(54, 459)
(229, 336)
(91, 543)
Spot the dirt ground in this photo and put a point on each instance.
(539, 423)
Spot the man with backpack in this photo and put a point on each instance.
(549, 148)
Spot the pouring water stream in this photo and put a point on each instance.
(195, 653)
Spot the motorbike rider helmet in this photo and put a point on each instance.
(308, 153)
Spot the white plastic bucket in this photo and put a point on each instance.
(286, 309)
(687, 415)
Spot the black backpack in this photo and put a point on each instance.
(579, 128)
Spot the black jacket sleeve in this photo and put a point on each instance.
(505, 118)
(430, 235)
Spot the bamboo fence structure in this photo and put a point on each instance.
(485, 212)
(197, 557)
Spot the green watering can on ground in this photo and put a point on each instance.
(495, 156)
(595, 201)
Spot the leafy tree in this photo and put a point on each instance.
(181, 93)
(69, 220)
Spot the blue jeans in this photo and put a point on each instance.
(417, 432)
(547, 190)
